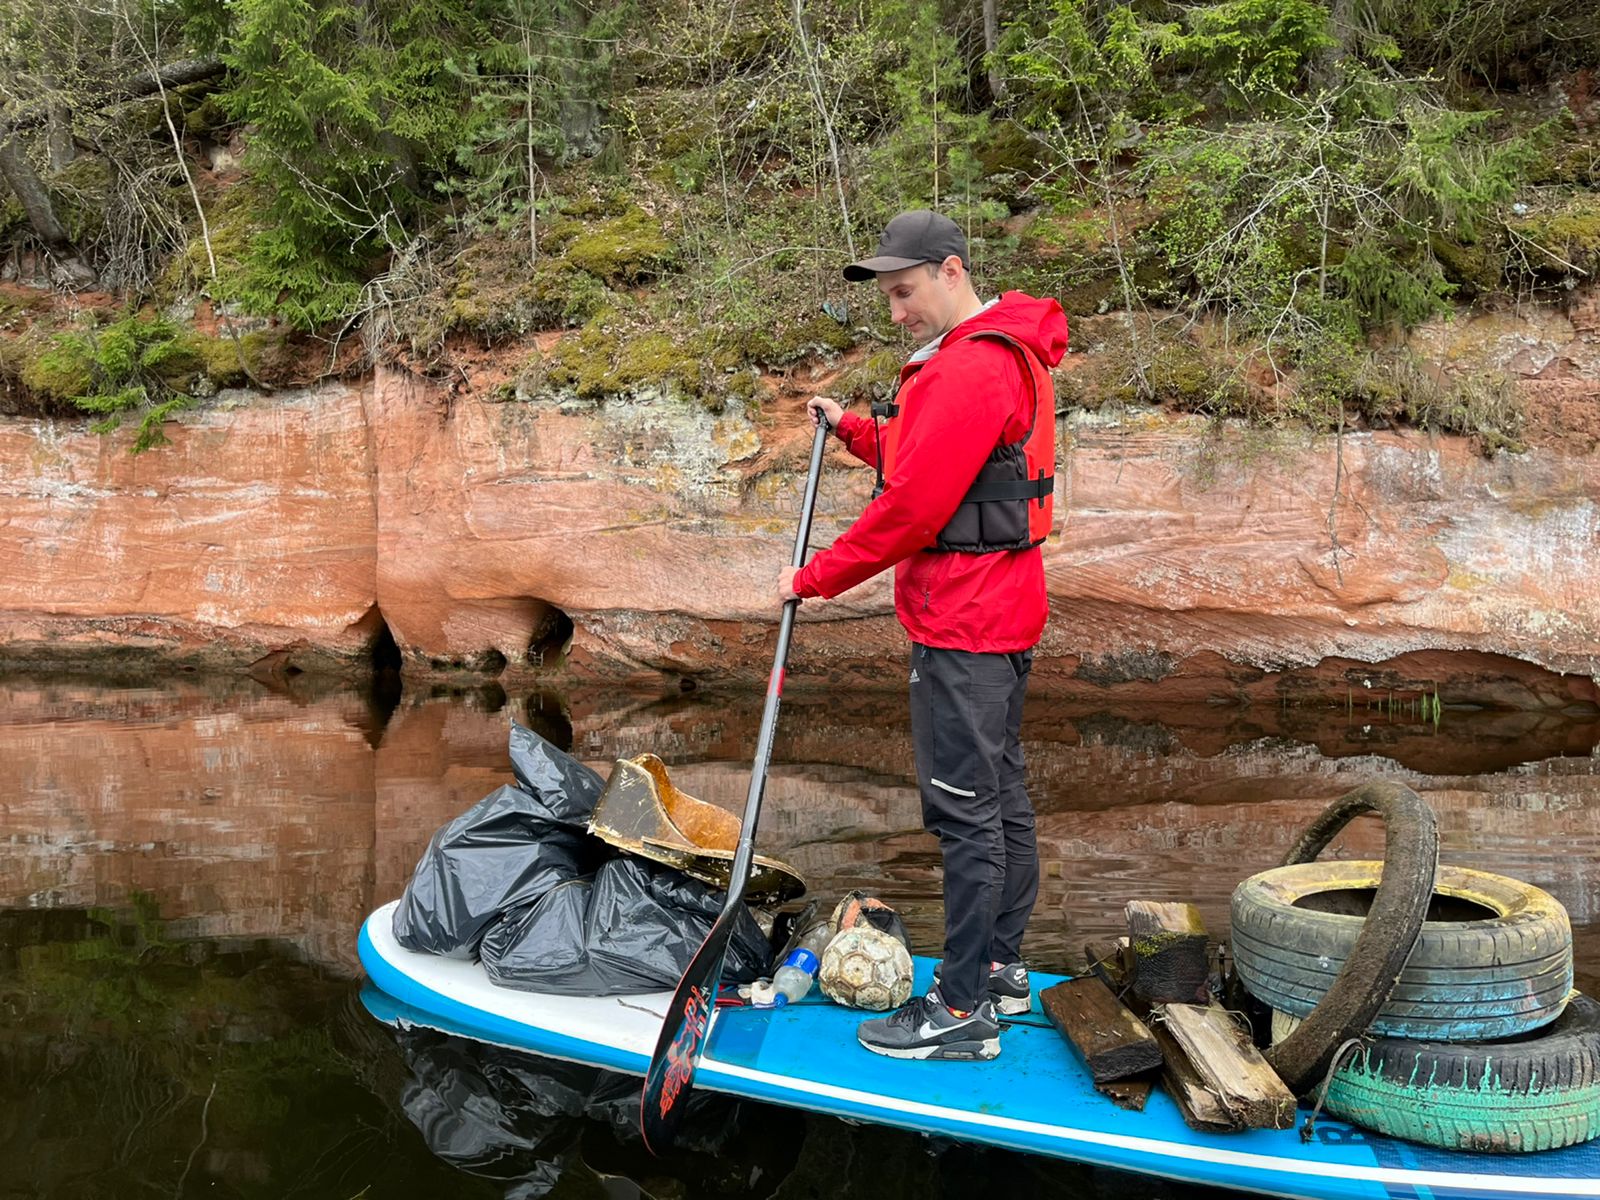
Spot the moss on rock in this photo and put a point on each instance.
(496, 294)
(264, 351)
(61, 369)
(626, 249)
(780, 343)
(653, 358)
(1476, 269)
(582, 362)
(1190, 379)
(1571, 232)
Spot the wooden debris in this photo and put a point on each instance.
(1131, 1094)
(1200, 1108)
(1110, 961)
(1171, 962)
(1114, 1043)
(1232, 1069)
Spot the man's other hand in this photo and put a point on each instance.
(820, 407)
(786, 590)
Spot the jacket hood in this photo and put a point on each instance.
(1038, 324)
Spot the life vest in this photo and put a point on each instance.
(1011, 504)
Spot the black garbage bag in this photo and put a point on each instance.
(498, 855)
(632, 929)
(503, 853)
(566, 788)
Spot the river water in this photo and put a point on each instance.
(186, 866)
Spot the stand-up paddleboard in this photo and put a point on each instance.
(1036, 1097)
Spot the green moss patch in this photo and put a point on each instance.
(1476, 269)
(1566, 237)
(142, 367)
(625, 250)
(61, 370)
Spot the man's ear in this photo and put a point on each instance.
(951, 271)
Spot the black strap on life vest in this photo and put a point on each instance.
(1012, 489)
(883, 410)
(1040, 488)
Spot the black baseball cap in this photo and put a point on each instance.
(919, 236)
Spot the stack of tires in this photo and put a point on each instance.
(1471, 1039)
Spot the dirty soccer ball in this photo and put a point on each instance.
(864, 967)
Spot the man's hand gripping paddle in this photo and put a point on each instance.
(683, 1032)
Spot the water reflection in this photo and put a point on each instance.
(133, 1063)
(187, 866)
(530, 1122)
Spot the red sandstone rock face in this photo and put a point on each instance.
(284, 529)
(251, 532)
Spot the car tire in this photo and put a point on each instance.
(1532, 1093)
(1498, 963)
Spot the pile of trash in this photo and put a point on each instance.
(563, 882)
(520, 883)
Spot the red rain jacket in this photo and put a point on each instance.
(956, 407)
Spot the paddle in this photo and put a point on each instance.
(671, 1074)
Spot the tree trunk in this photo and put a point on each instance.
(991, 39)
(25, 182)
(58, 136)
(1327, 71)
(68, 269)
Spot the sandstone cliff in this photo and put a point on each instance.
(641, 537)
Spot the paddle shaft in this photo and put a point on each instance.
(688, 1018)
(769, 713)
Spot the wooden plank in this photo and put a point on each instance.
(1114, 1043)
(1131, 1094)
(1171, 961)
(1198, 1106)
(1232, 1068)
(1110, 960)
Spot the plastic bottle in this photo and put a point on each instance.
(794, 975)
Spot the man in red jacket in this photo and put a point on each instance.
(966, 467)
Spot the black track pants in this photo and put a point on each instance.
(966, 721)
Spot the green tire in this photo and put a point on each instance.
(1534, 1093)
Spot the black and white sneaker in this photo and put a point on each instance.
(924, 1027)
(1008, 987)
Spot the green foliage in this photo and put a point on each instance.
(149, 368)
(1490, 38)
(536, 60)
(362, 113)
(1308, 186)
(1383, 288)
(1448, 174)
(1083, 63)
(305, 82)
(1257, 50)
(931, 149)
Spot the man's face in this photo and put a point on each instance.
(922, 298)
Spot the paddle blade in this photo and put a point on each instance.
(683, 1033)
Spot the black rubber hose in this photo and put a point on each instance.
(1390, 932)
